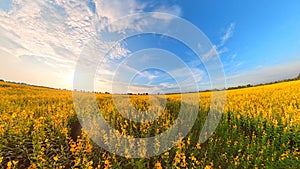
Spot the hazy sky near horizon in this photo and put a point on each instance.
(41, 41)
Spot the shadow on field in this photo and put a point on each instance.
(76, 128)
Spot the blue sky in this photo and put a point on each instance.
(266, 35)
(41, 41)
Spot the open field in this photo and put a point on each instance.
(260, 128)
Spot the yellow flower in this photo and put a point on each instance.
(193, 158)
(55, 158)
(77, 162)
(64, 131)
(189, 141)
(9, 164)
(15, 162)
(208, 167)
(72, 150)
(89, 149)
(32, 166)
(107, 162)
(158, 165)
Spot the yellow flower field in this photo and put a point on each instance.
(260, 128)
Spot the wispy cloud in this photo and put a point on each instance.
(218, 49)
(212, 53)
(228, 34)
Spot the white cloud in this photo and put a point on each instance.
(173, 10)
(213, 52)
(67, 25)
(114, 9)
(264, 74)
(150, 76)
(54, 32)
(118, 51)
(228, 34)
(219, 49)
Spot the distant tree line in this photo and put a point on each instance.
(278, 81)
(239, 87)
(230, 88)
(25, 84)
(137, 94)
